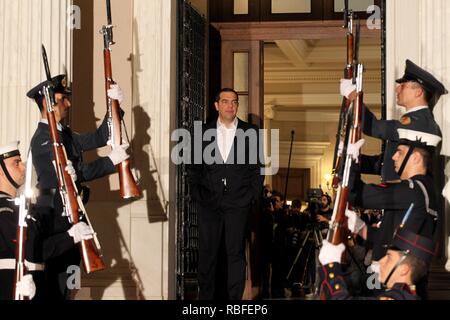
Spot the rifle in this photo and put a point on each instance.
(128, 185)
(72, 203)
(338, 231)
(21, 233)
(349, 73)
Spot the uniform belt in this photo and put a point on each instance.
(10, 264)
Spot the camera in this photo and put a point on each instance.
(314, 203)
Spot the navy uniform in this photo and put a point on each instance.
(333, 286)
(75, 144)
(39, 244)
(397, 198)
(416, 119)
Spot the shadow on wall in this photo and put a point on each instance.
(106, 202)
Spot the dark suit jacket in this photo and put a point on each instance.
(244, 181)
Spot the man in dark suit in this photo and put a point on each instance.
(418, 91)
(225, 184)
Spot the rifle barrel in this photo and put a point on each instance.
(46, 66)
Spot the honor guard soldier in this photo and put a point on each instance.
(12, 176)
(406, 261)
(418, 91)
(75, 144)
(39, 245)
(412, 202)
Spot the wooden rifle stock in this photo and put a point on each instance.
(128, 185)
(72, 204)
(90, 255)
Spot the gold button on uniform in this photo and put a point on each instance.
(337, 287)
(331, 275)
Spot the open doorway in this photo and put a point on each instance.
(301, 95)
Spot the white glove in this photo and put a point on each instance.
(119, 154)
(354, 149)
(116, 93)
(347, 87)
(26, 287)
(330, 253)
(355, 224)
(81, 231)
(71, 170)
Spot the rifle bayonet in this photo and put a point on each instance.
(48, 88)
(46, 66)
(107, 30)
(108, 11)
(356, 49)
(346, 11)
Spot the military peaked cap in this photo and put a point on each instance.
(59, 83)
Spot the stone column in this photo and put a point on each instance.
(419, 30)
(26, 24)
(154, 88)
(138, 237)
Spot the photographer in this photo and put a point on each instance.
(325, 212)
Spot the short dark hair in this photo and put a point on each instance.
(419, 268)
(430, 97)
(226, 90)
(40, 102)
(426, 156)
(328, 198)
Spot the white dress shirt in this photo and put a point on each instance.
(225, 138)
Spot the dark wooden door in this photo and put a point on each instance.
(298, 184)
